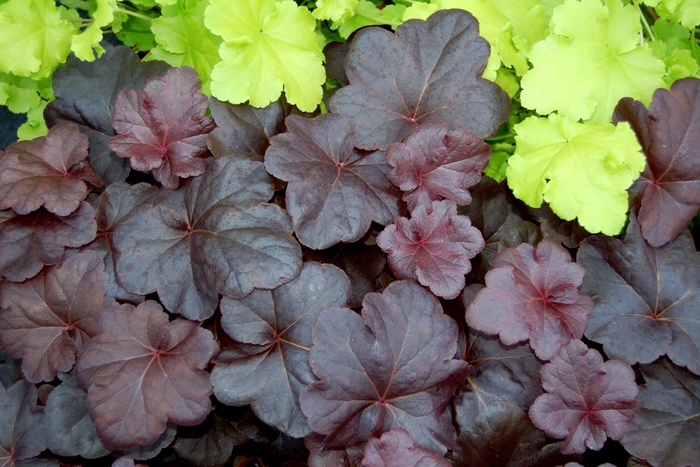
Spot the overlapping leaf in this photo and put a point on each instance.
(142, 371)
(664, 432)
(163, 129)
(648, 295)
(396, 448)
(587, 400)
(46, 320)
(434, 247)
(278, 323)
(334, 191)
(22, 426)
(85, 95)
(390, 368)
(27, 243)
(50, 171)
(426, 72)
(532, 294)
(433, 163)
(669, 133)
(215, 234)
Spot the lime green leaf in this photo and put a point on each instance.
(34, 39)
(367, 14)
(686, 12)
(136, 32)
(35, 126)
(581, 170)
(84, 43)
(20, 94)
(269, 46)
(183, 40)
(420, 11)
(334, 10)
(590, 62)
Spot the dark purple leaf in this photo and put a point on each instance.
(503, 436)
(390, 368)
(434, 247)
(22, 425)
(163, 129)
(149, 451)
(85, 94)
(648, 295)
(72, 430)
(50, 171)
(665, 431)
(433, 164)
(115, 203)
(245, 130)
(279, 323)
(428, 71)
(324, 456)
(396, 448)
(532, 294)
(214, 235)
(46, 320)
(334, 191)
(500, 374)
(27, 243)
(142, 371)
(570, 233)
(669, 133)
(587, 400)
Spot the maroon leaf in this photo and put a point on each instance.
(50, 171)
(142, 371)
(325, 456)
(428, 71)
(665, 431)
(22, 425)
(46, 320)
(532, 294)
(214, 235)
(163, 129)
(116, 203)
(334, 191)
(279, 323)
(396, 448)
(587, 399)
(648, 295)
(245, 130)
(85, 94)
(27, 243)
(390, 368)
(432, 164)
(670, 138)
(434, 247)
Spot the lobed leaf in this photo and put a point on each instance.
(46, 320)
(163, 128)
(22, 426)
(396, 448)
(141, 371)
(334, 191)
(669, 133)
(390, 368)
(434, 247)
(428, 71)
(48, 172)
(587, 400)
(532, 294)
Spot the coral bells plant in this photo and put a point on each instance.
(342, 233)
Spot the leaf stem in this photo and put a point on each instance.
(645, 23)
(495, 139)
(132, 13)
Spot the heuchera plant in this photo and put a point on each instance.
(344, 287)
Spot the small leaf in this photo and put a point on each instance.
(22, 425)
(587, 400)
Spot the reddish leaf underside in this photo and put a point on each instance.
(334, 191)
(669, 133)
(390, 368)
(428, 71)
(433, 163)
(587, 400)
(434, 247)
(27, 243)
(142, 371)
(532, 294)
(49, 171)
(45, 320)
(396, 448)
(163, 129)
